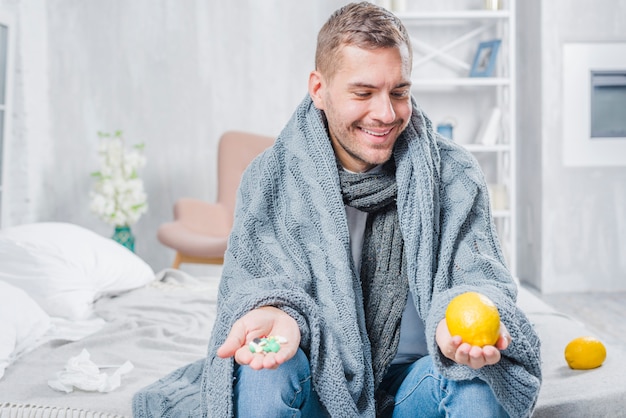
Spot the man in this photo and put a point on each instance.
(351, 235)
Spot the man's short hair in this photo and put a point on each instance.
(364, 25)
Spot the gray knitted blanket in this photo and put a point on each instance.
(290, 248)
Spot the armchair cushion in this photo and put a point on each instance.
(199, 232)
(178, 235)
(203, 217)
(199, 229)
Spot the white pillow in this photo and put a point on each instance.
(65, 267)
(22, 323)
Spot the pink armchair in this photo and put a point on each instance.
(200, 229)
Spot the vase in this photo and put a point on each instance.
(124, 236)
(493, 4)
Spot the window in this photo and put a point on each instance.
(608, 104)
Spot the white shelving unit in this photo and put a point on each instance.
(6, 94)
(445, 43)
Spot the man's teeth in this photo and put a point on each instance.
(375, 133)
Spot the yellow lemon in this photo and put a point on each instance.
(585, 353)
(475, 318)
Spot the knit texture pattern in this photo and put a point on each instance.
(290, 248)
(383, 276)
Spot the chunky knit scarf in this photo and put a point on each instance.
(383, 271)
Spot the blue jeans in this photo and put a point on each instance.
(277, 393)
(419, 392)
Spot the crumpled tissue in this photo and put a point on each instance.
(82, 373)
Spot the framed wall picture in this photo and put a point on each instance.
(485, 59)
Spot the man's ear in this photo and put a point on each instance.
(316, 82)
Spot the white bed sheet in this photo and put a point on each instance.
(159, 328)
(165, 325)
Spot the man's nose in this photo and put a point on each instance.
(382, 109)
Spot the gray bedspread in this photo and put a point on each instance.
(568, 393)
(159, 328)
(165, 325)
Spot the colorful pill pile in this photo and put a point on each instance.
(269, 344)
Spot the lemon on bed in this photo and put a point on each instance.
(475, 318)
(584, 353)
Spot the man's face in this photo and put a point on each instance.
(367, 103)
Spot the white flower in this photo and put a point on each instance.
(118, 195)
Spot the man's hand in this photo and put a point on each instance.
(475, 357)
(265, 321)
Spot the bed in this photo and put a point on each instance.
(160, 321)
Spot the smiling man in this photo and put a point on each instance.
(366, 111)
(351, 235)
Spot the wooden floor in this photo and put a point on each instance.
(602, 313)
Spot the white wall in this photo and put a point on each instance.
(176, 74)
(529, 140)
(173, 75)
(581, 242)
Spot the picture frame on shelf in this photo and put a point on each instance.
(485, 58)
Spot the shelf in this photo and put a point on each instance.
(409, 17)
(487, 148)
(501, 213)
(424, 83)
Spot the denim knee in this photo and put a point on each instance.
(279, 392)
(472, 396)
(423, 392)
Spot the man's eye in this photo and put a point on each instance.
(400, 94)
(361, 94)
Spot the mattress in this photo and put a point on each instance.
(166, 324)
(571, 393)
